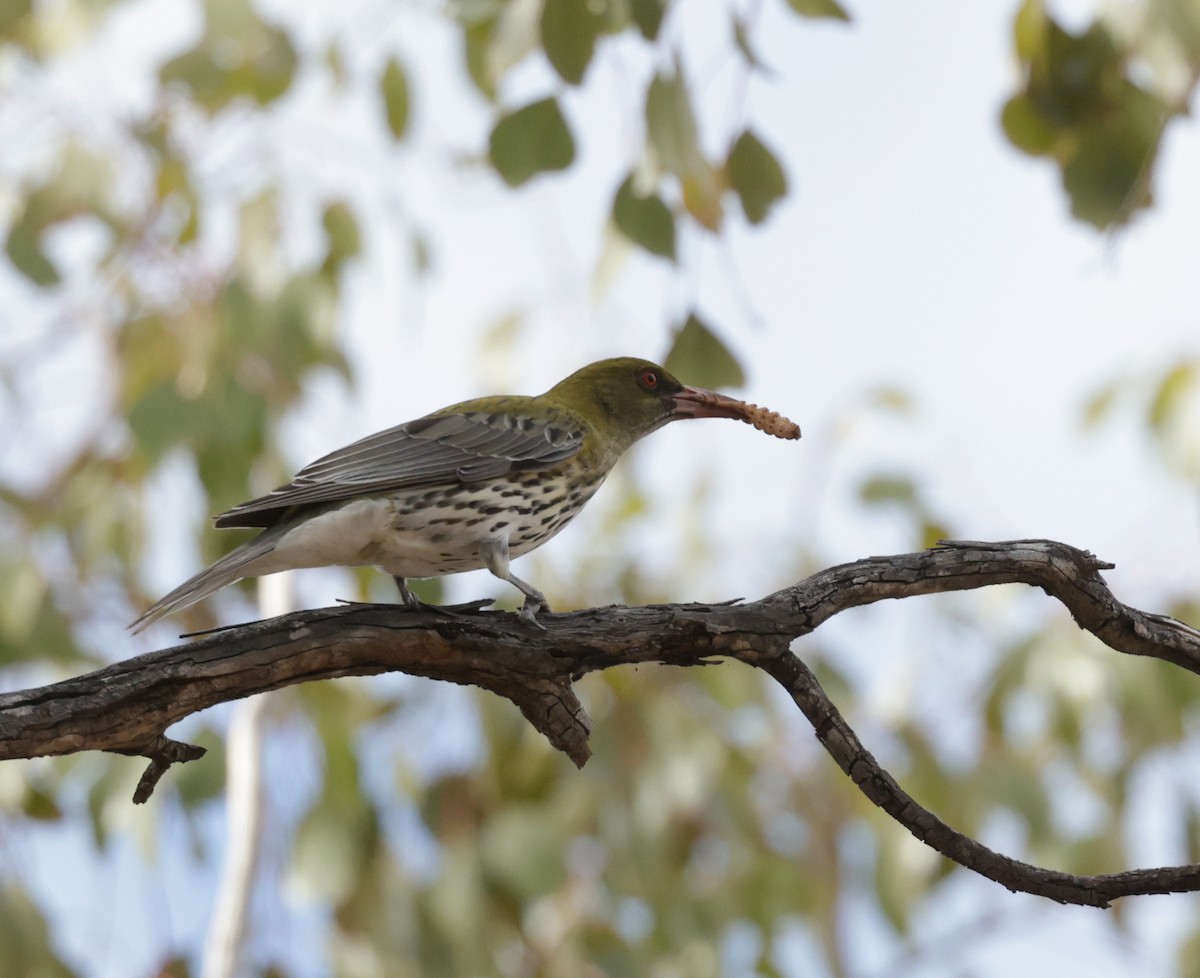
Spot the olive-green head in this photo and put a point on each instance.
(626, 398)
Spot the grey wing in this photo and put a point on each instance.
(433, 451)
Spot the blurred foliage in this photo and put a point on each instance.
(902, 492)
(700, 355)
(708, 823)
(1098, 101)
(239, 57)
(1167, 401)
(534, 139)
(756, 176)
(644, 219)
(26, 947)
(396, 98)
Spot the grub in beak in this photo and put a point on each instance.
(696, 402)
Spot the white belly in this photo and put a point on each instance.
(367, 533)
(426, 534)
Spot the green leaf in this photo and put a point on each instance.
(645, 220)
(674, 139)
(1029, 28)
(521, 850)
(159, 420)
(239, 56)
(24, 249)
(671, 125)
(13, 13)
(648, 15)
(77, 190)
(888, 489)
(394, 88)
(1171, 392)
(497, 35)
(741, 41)
(1081, 106)
(341, 231)
(203, 780)
(333, 847)
(1187, 957)
(532, 140)
(819, 9)
(26, 944)
(756, 176)
(1099, 406)
(1026, 128)
(477, 39)
(339, 838)
(336, 64)
(932, 533)
(569, 29)
(700, 357)
(895, 886)
(31, 626)
(40, 804)
(174, 183)
(1107, 177)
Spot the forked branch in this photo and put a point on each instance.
(127, 707)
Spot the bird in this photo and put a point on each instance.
(470, 486)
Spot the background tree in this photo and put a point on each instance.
(237, 236)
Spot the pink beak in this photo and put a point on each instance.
(696, 402)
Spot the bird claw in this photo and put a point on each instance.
(529, 611)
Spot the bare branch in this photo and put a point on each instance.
(128, 706)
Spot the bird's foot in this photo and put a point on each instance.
(532, 608)
(412, 601)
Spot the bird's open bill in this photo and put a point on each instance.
(696, 402)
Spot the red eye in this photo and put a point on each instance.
(649, 379)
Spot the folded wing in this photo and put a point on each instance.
(435, 451)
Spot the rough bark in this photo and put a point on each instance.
(127, 707)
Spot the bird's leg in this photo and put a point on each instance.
(535, 601)
(409, 599)
(494, 554)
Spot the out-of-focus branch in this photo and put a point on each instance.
(245, 812)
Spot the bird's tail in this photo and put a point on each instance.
(232, 567)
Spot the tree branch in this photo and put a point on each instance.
(128, 706)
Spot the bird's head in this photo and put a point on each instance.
(629, 398)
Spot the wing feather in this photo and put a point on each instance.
(439, 450)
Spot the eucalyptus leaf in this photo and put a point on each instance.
(569, 29)
(671, 125)
(756, 176)
(393, 86)
(648, 16)
(700, 357)
(888, 489)
(14, 16)
(534, 139)
(240, 56)
(645, 220)
(342, 234)
(674, 138)
(819, 9)
(1171, 392)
